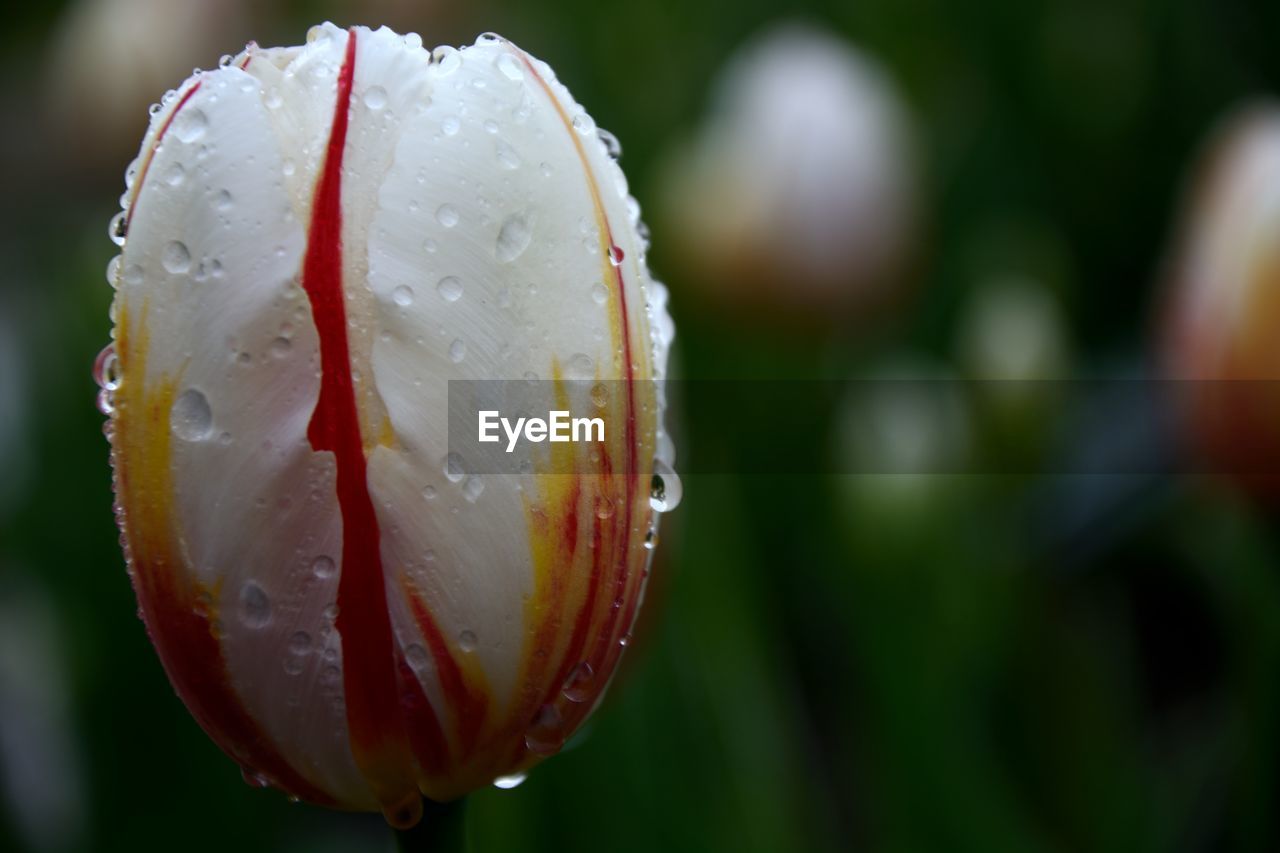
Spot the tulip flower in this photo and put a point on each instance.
(317, 239)
(798, 193)
(1224, 302)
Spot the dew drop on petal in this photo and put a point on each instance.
(255, 606)
(580, 366)
(577, 687)
(457, 350)
(375, 97)
(507, 156)
(447, 215)
(513, 238)
(506, 783)
(546, 734)
(510, 67)
(599, 293)
(449, 288)
(190, 124)
(323, 566)
(473, 488)
(454, 468)
(175, 257)
(417, 656)
(403, 295)
(467, 641)
(190, 418)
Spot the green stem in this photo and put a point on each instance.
(443, 829)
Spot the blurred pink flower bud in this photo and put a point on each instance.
(317, 239)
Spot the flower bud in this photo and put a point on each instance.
(1221, 320)
(317, 240)
(798, 192)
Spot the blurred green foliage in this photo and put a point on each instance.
(823, 668)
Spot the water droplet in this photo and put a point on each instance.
(584, 123)
(113, 270)
(454, 468)
(106, 368)
(467, 641)
(450, 125)
(507, 156)
(447, 215)
(577, 687)
(300, 643)
(174, 175)
(222, 201)
(117, 228)
(457, 350)
(664, 490)
(514, 237)
(599, 293)
(510, 67)
(580, 366)
(429, 492)
(604, 507)
(611, 143)
(176, 258)
(417, 656)
(375, 97)
(472, 489)
(255, 606)
(429, 246)
(447, 59)
(190, 418)
(280, 347)
(545, 735)
(288, 167)
(323, 566)
(132, 274)
(403, 295)
(616, 255)
(190, 124)
(506, 783)
(254, 779)
(650, 539)
(449, 288)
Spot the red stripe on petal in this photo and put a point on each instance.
(375, 718)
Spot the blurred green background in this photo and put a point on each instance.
(1013, 662)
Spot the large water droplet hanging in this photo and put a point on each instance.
(546, 734)
(506, 783)
(578, 686)
(665, 489)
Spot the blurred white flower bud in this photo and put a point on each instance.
(798, 191)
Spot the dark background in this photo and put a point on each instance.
(828, 662)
